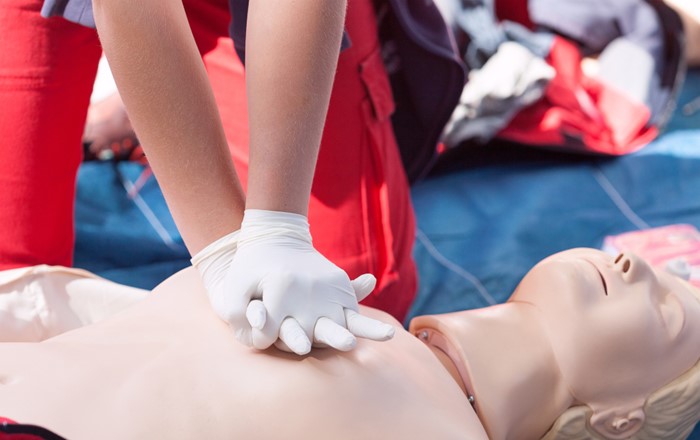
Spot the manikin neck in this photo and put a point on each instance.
(510, 370)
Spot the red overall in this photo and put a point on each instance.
(360, 213)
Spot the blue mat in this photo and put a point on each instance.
(128, 239)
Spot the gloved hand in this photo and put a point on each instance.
(268, 282)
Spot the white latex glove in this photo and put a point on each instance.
(326, 332)
(269, 283)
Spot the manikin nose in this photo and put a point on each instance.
(623, 263)
(631, 267)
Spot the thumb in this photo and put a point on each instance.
(363, 285)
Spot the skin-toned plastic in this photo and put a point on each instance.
(169, 368)
(583, 329)
(40, 302)
(589, 346)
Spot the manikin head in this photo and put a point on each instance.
(626, 338)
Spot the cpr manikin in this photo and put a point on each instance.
(587, 347)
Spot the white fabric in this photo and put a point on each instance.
(40, 302)
(269, 282)
(511, 79)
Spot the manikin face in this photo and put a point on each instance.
(619, 329)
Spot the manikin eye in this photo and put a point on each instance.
(602, 278)
(605, 285)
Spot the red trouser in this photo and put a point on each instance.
(47, 68)
(360, 214)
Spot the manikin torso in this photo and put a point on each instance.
(145, 374)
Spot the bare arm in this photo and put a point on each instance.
(291, 56)
(292, 53)
(162, 80)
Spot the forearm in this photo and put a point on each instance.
(292, 49)
(164, 86)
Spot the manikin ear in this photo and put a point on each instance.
(673, 315)
(618, 424)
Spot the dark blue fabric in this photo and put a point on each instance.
(482, 228)
(426, 81)
(114, 236)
